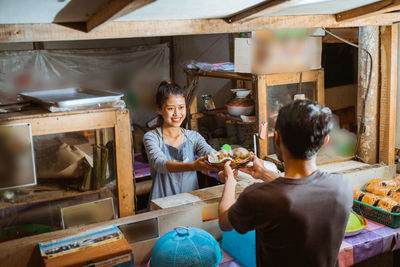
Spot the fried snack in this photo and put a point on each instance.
(382, 191)
(223, 156)
(358, 194)
(239, 157)
(370, 199)
(394, 189)
(240, 153)
(371, 185)
(391, 183)
(389, 204)
(395, 196)
(376, 181)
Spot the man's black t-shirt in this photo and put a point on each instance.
(298, 222)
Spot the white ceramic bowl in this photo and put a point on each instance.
(239, 110)
(240, 92)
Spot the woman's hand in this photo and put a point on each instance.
(223, 175)
(201, 165)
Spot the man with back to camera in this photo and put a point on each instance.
(300, 219)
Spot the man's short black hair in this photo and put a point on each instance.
(303, 126)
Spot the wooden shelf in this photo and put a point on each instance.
(220, 113)
(48, 193)
(221, 74)
(259, 84)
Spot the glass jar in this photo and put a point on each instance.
(208, 102)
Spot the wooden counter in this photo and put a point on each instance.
(359, 174)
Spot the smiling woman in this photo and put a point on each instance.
(171, 149)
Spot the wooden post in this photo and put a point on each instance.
(261, 91)
(369, 40)
(193, 122)
(124, 162)
(389, 67)
(320, 88)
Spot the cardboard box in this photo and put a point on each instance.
(109, 254)
(243, 55)
(265, 55)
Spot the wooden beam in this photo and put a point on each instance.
(261, 91)
(129, 29)
(220, 74)
(193, 109)
(389, 67)
(113, 10)
(293, 77)
(123, 158)
(370, 10)
(349, 34)
(245, 13)
(59, 123)
(320, 88)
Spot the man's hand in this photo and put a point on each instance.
(227, 199)
(222, 175)
(258, 171)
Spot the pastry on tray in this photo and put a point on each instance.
(358, 194)
(382, 191)
(370, 199)
(389, 204)
(239, 157)
(393, 184)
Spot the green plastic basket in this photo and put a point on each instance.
(376, 214)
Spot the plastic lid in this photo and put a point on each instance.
(226, 147)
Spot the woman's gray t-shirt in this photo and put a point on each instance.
(158, 152)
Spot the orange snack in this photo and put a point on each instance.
(389, 204)
(391, 183)
(371, 185)
(395, 196)
(358, 194)
(370, 199)
(382, 191)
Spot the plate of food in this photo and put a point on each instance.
(355, 225)
(239, 157)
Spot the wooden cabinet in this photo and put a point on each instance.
(44, 122)
(259, 83)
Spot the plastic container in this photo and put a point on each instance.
(381, 216)
(186, 246)
(239, 110)
(240, 247)
(241, 92)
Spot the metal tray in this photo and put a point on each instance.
(71, 97)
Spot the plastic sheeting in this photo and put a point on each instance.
(134, 71)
